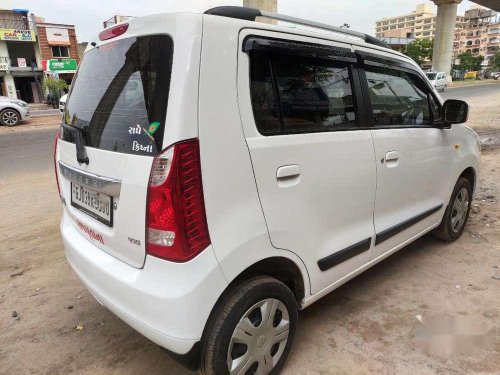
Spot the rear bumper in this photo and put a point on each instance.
(167, 302)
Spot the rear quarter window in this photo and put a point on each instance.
(120, 95)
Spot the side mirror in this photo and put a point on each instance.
(454, 112)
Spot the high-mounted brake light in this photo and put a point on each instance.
(176, 227)
(113, 32)
(56, 141)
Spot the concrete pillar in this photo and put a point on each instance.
(445, 32)
(9, 84)
(267, 5)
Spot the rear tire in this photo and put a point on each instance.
(456, 214)
(9, 117)
(251, 330)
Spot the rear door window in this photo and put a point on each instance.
(120, 95)
(300, 95)
(315, 96)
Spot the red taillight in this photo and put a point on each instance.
(113, 32)
(176, 221)
(56, 141)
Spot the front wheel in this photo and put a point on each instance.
(9, 117)
(252, 329)
(457, 212)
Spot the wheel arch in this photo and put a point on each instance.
(279, 267)
(469, 174)
(12, 108)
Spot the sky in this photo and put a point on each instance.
(88, 15)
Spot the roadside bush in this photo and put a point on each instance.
(55, 86)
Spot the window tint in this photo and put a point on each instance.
(398, 98)
(120, 95)
(314, 95)
(263, 99)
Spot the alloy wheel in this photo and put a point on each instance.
(10, 118)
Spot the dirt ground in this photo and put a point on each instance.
(50, 324)
(33, 123)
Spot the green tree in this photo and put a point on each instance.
(479, 62)
(55, 86)
(470, 62)
(420, 50)
(495, 62)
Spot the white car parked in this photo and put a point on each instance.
(13, 111)
(437, 80)
(62, 102)
(217, 174)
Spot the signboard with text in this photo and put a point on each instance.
(59, 65)
(17, 35)
(21, 62)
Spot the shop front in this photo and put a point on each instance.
(61, 62)
(19, 65)
(28, 86)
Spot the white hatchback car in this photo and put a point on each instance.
(13, 111)
(218, 174)
(438, 80)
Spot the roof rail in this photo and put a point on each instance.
(250, 14)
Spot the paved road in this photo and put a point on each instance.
(471, 92)
(26, 151)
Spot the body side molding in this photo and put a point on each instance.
(388, 233)
(343, 255)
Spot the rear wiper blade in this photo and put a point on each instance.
(81, 153)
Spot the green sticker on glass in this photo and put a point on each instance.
(153, 127)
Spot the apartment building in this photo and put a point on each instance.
(481, 35)
(477, 31)
(20, 62)
(58, 49)
(421, 23)
(398, 39)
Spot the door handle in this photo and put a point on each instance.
(392, 156)
(287, 171)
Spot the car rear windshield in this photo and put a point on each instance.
(120, 95)
(431, 76)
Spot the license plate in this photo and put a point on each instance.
(93, 203)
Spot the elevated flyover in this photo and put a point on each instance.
(492, 4)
